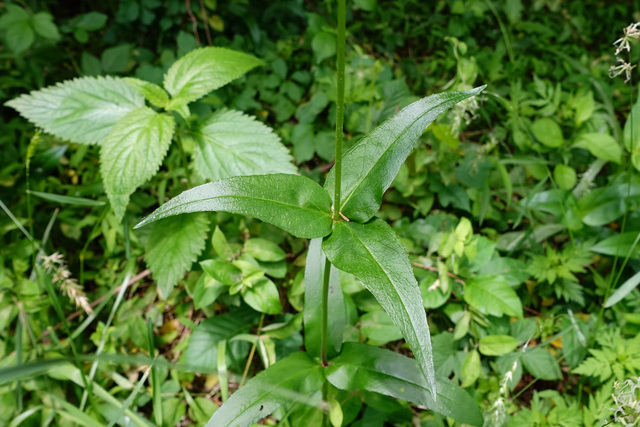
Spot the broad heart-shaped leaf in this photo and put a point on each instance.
(492, 295)
(373, 253)
(364, 367)
(290, 380)
(370, 166)
(174, 244)
(81, 110)
(313, 277)
(229, 143)
(132, 153)
(203, 70)
(294, 203)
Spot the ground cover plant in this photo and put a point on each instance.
(294, 303)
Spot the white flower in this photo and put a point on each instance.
(624, 67)
(632, 32)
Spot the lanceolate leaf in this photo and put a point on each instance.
(313, 277)
(81, 110)
(291, 380)
(174, 244)
(365, 367)
(371, 165)
(624, 290)
(203, 70)
(294, 203)
(373, 253)
(132, 153)
(229, 143)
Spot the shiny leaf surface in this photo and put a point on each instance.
(370, 166)
(290, 380)
(373, 253)
(294, 203)
(365, 367)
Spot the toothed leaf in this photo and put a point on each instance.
(132, 153)
(229, 143)
(82, 110)
(174, 244)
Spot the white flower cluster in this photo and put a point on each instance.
(627, 399)
(632, 32)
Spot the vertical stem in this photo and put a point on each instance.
(325, 312)
(341, 46)
(251, 353)
(339, 106)
(183, 157)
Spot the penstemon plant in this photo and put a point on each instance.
(346, 235)
(134, 139)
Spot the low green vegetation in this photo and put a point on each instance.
(359, 213)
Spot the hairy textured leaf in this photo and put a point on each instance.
(291, 380)
(313, 277)
(364, 367)
(294, 203)
(82, 110)
(132, 153)
(373, 253)
(203, 70)
(174, 244)
(152, 93)
(492, 295)
(370, 166)
(229, 143)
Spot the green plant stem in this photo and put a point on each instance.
(339, 106)
(325, 312)
(183, 157)
(251, 353)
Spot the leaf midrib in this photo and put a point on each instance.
(384, 153)
(387, 275)
(303, 208)
(274, 387)
(386, 375)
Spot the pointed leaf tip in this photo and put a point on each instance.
(374, 254)
(371, 165)
(294, 203)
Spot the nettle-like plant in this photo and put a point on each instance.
(346, 235)
(134, 139)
